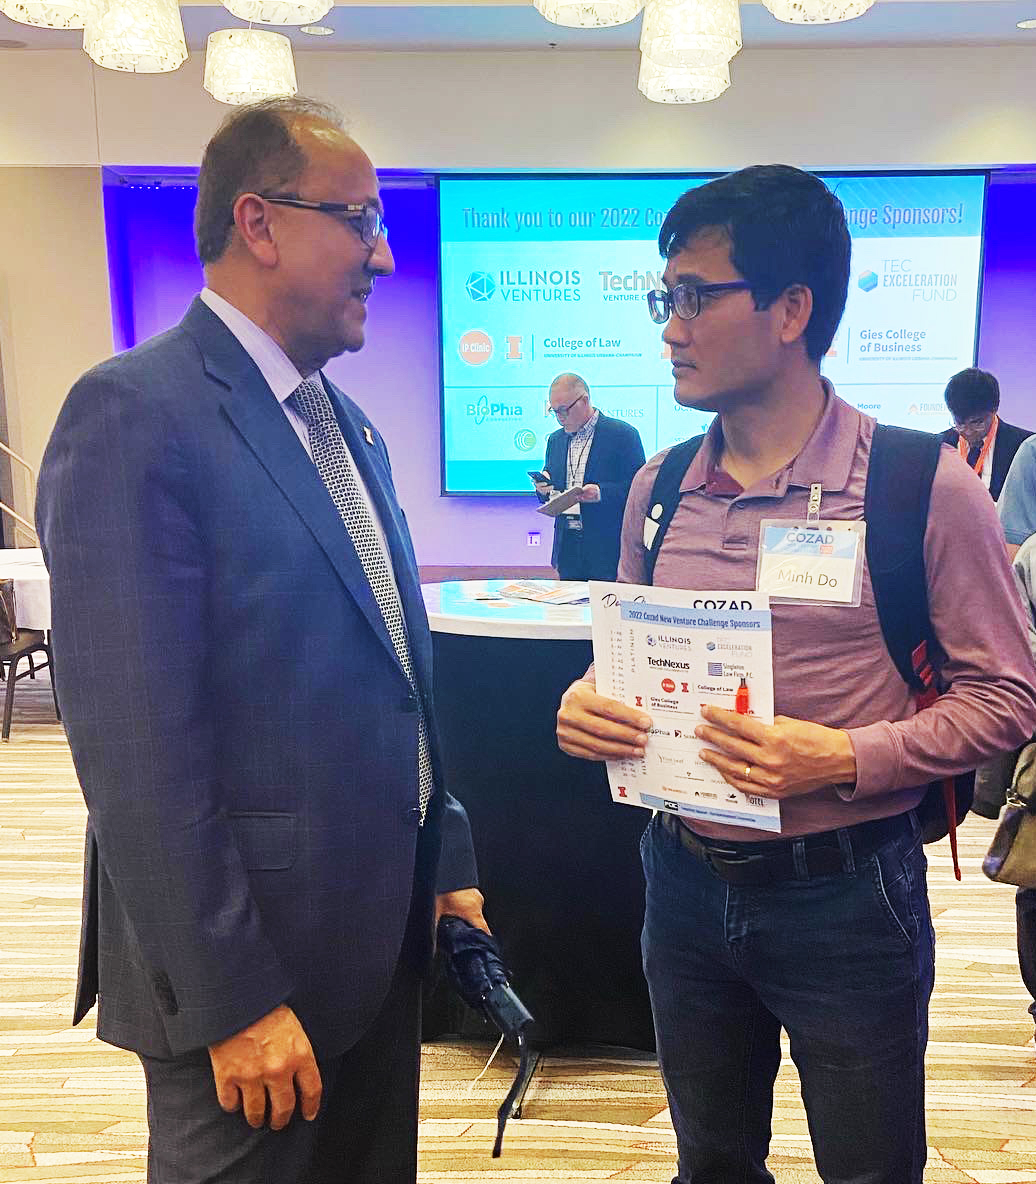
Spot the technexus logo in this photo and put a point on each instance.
(480, 285)
(629, 287)
(521, 286)
(483, 410)
(668, 663)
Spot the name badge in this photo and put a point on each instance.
(818, 560)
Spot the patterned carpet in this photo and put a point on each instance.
(71, 1109)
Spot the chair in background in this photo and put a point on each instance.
(16, 644)
(26, 643)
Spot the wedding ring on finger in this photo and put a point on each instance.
(748, 772)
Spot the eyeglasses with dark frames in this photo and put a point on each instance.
(561, 412)
(686, 299)
(364, 218)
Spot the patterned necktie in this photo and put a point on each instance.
(335, 466)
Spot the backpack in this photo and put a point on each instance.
(899, 486)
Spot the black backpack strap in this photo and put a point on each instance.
(665, 497)
(899, 487)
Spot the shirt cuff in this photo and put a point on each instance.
(879, 760)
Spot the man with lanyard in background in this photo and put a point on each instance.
(823, 930)
(598, 454)
(984, 440)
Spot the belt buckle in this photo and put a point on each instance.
(733, 868)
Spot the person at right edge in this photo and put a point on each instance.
(755, 284)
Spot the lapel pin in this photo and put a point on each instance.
(368, 435)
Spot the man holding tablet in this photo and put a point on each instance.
(597, 456)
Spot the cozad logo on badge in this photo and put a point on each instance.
(475, 347)
(525, 441)
(480, 285)
(668, 685)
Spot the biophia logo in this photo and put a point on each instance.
(525, 441)
(480, 285)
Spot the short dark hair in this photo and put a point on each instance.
(785, 227)
(972, 392)
(254, 151)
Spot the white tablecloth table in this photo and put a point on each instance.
(25, 566)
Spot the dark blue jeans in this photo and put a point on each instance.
(844, 963)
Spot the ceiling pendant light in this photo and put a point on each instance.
(142, 36)
(682, 84)
(811, 12)
(246, 65)
(47, 14)
(588, 14)
(691, 33)
(279, 12)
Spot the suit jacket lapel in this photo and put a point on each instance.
(253, 409)
(597, 447)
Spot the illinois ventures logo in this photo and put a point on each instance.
(480, 285)
(541, 285)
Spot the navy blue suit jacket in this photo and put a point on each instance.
(616, 453)
(244, 735)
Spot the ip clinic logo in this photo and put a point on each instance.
(480, 286)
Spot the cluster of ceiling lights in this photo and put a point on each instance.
(146, 37)
(686, 45)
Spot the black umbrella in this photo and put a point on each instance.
(477, 973)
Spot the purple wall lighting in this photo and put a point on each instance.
(154, 275)
(1009, 293)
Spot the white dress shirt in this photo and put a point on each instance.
(283, 377)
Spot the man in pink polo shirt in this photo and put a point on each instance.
(827, 932)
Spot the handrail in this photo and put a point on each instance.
(21, 522)
(21, 460)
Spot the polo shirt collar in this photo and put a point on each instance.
(826, 457)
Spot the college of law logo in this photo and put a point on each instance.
(525, 441)
(475, 347)
(480, 285)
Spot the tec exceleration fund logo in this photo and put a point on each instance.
(480, 285)
(868, 281)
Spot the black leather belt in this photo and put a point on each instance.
(826, 854)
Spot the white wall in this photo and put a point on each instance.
(579, 111)
(55, 311)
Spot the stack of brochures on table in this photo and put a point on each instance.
(547, 592)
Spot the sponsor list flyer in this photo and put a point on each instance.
(669, 652)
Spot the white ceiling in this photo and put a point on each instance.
(497, 25)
